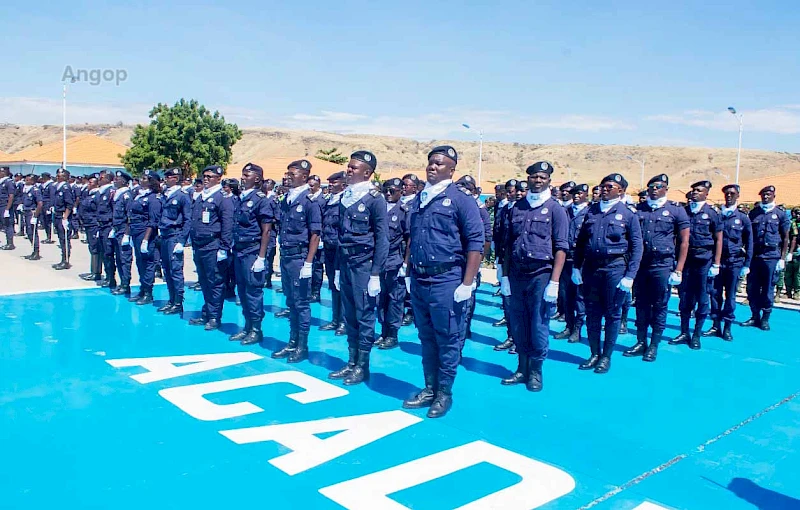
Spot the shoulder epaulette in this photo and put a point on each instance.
(261, 194)
(404, 207)
(375, 193)
(632, 208)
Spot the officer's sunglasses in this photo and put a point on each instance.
(656, 185)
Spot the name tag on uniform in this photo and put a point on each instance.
(206, 217)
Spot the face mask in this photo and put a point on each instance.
(655, 204)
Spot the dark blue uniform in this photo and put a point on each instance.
(609, 248)
(574, 306)
(212, 232)
(737, 253)
(300, 219)
(705, 224)
(442, 234)
(769, 231)
(63, 202)
(105, 214)
(47, 189)
(330, 243)
(319, 258)
(661, 234)
(275, 212)
(87, 213)
(393, 288)
(253, 210)
(501, 219)
(145, 212)
(533, 237)
(30, 201)
(123, 253)
(7, 190)
(174, 227)
(488, 231)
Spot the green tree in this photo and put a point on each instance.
(332, 155)
(186, 135)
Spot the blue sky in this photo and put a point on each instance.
(622, 72)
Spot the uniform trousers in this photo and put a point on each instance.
(63, 237)
(529, 314)
(723, 292)
(652, 295)
(145, 262)
(330, 270)
(211, 275)
(574, 305)
(761, 284)
(297, 291)
(358, 307)
(695, 291)
(603, 300)
(250, 286)
(123, 255)
(390, 302)
(172, 264)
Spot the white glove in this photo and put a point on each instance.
(336, 276)
(374, 286)
(505, 286)
(499, 272)
(577, 277)
(52, 210)
(20, 208)
(321, 245)
(306, 271)
(551, 292)
(112, 234)
(259, 265)
(781, 265)
(789, 257)
(221, 255)
(126, 240)
(675, 278)
(713, 271)
(403, 271)
(744, 272)
(178, 248)
(145, 245)
(408, 284)
(6, 214)
(625, 285)
(462, 293)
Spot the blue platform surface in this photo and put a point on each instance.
(91, 417)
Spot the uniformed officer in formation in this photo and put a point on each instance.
(87, 212)
(393, 289)
(122, 244)
(536, 244)
(665, 235)
(144, 214)
(32, 207)
(268, 188)
(574, 306)
(315, 195)
(363, 249)
(174, 229)
(501, 220)
(63, 202)
(444, 258)
(702, 263)
(770, 245)
(737, 253)
(8, 190)
(252, 231)
(607, 257)
(212, 238)
(330, 242)
(301, 225)
(468, 185)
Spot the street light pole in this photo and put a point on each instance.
(480, 152)
(739, 150)
(641, 162)
(64, 128)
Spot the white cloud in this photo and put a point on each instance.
(780, 120)
(36, 110)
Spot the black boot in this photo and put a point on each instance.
(534, 379)
(166, 307)
(348, 368)
(509, 343)
(331, 326)
(301, 352)
(145, 299)
(575, 336)
(641, 343)
(282, 314)
(340, 331)
(389, 342)
(754, 320)
(564, 334)
(603, 365)
(694, 344)
(136, 298)
(442, 403)
(683, 338)
(361, 371)
(425, 397)
(765, 320)
(176, 309)
(212, 325)
(122, 290)
(238, 337)
(288, 349)
(594, 358)
(255, 335)
(716, 329)
(521, 374)
(726, 332)
(652, 351)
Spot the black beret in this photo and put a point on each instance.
(567, 186)
(618, 178)
(521, 186)
(173, 171)
(336, 176)
(393, 183)
(499, 187)
(541, 166)
(313, 178)
(94, 176)
(17, 174)
(704, 184)
(467, 181)
(767, 188)
(688, 195)
(367, 157)
(445, 150)
(302, 164)
(659, 178)
(642, 193)
(216, 169)
(580, 187)
(735, 187)
(252, 167)
(512, 183)
(122, 174)
(151, 174)
(62, 171)
(198, 181)
(595, 188)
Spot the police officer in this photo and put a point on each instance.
(393, 289)
(574, 307)
(212, 238)
(104, 204)
(445, 255)
(536, 243)
(174, 227)
(330, 240)
(702, 263)
(87, 210)
(737, 252)
(607, 257)
(63, 201)
(123, 246)
(32, 207)
(502, 224)
(251, 237)
(363, 249)
(301, 224)
(268, 188)
(315, 194)
(47, 187)
(8, 191)
(665, 233)
(144, 215)
(19, 210)
(770, 244)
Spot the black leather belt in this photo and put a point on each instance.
(355, 250)
(293, 250)
(433, 270)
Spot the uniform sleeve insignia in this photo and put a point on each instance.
(446, 202)
(362, 208)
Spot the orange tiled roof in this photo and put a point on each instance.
(787, 188)
(81, 150)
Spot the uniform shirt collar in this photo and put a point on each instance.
(537, 199)
(355, 192)
(247, 192)
(210, 191)
(657, 203)
(408, 198)
(391, 205)
(576, 208)
(3, 179)
(61, 185)
(431, 191)
(295, 192)
(104, 187)
(502, 203)
(696, 207)
(313, 196)
(171, 191)
(335, 198)
(120, 192)
(727, 211)
(142, 192)
(605, 206)
(25, 187)
(767, 207)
